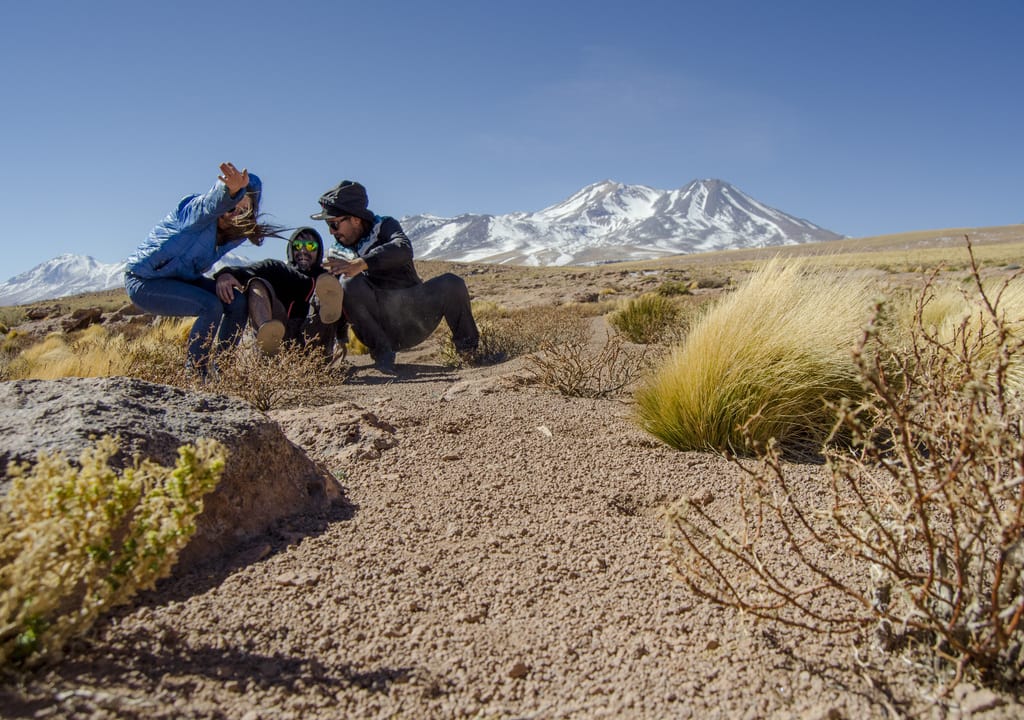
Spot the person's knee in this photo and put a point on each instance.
(452, 284)
(238, 307)
(257, 288)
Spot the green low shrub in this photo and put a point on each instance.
(647, 319)
(75, 541)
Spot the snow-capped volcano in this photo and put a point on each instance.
(609, 221)
(71, 274)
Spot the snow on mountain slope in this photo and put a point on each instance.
(609, 221)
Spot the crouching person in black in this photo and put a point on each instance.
(297, 301)
(387, 304)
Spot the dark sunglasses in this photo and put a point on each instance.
(336, 222)
(307, 245)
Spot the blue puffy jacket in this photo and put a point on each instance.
(184, 244)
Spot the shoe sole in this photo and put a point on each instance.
(270, 335)
(330, 295)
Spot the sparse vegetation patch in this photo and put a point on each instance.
(926, 501)
(75, 541)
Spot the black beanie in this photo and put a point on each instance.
(346, 198)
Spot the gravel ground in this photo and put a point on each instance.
(499, 555)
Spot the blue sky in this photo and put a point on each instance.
(863, 117)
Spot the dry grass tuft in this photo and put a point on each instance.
(158, 355)
(768, 357)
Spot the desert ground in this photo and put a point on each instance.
(498, 554)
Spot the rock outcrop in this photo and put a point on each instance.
(266, 479)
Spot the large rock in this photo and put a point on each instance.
(266, 477)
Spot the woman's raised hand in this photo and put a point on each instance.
(233, 178)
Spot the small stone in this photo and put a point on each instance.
(519, 671)
(821, 712)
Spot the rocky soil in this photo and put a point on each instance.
(497, 554)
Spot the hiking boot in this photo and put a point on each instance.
(270, 335)
(385, 362)
(329, 294)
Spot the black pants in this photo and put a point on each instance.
(398, 319)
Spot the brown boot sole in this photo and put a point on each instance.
(270, 335)
(330, 295)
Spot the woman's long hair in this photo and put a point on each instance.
(247, 225)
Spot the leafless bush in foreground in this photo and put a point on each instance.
(572, 367)
(924, 509)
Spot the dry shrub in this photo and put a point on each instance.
(574, 369)
(292, 374)
(648, 319)
(671, 288)
(505, 334)
(925, 507)
(158, 355)
(77, 541)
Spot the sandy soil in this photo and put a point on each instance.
(498, 555)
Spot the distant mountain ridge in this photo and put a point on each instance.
(603, 222)
(609, 221)
(72, 274)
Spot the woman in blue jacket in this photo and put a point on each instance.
(165, 276)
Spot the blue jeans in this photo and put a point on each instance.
(222, 323)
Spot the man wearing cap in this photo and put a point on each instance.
(387, 304)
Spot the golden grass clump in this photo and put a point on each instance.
(769, 358)
(96, 352)
(75, 541)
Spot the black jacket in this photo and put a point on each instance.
(388, 256)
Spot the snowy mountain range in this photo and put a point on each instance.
(603, 222)
(609, 221)
(71, 274)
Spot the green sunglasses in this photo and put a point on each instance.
(307, 245)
